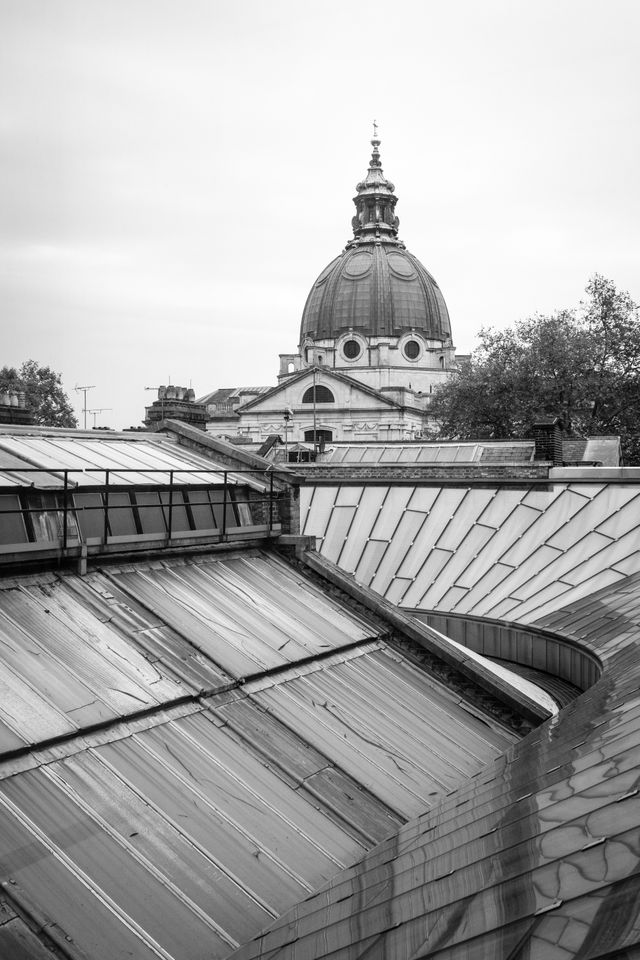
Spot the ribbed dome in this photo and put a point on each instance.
(379, 289)
(376, 286)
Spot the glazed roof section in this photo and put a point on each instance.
(381, 453)
(130, 460)
(502, 551)
(191, 747)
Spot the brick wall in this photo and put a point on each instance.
(418, 472)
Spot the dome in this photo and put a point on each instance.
(375, 286)
(378, 289)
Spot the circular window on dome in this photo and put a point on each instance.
(357, 265)
(351, 349)
(411, 349)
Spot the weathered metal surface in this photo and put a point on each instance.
(538, 856)
(247, 614)
(184, 830)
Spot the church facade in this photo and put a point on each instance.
(375, 340)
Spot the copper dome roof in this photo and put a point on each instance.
(375, 286)
(379, 289)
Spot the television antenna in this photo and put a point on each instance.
(96, 411)
(84, 391)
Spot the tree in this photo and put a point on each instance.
(44, 393)
(582, 364)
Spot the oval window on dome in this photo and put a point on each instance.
(401, 266)
(326, 273)
(411, 349)
(351, 349)
(357, 265)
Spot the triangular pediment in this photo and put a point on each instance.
(347, 391)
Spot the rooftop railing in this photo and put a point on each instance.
(100, 506)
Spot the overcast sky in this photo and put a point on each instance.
(174, 174)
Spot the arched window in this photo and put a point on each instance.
(323, 395)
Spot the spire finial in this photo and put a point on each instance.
(375, 220)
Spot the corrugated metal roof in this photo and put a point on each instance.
(247, 614)
(191, 835)
(147, 823)
(408, 737)
(80, 651)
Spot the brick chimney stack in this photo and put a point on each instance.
(547, 434)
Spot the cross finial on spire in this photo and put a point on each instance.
(375, 130)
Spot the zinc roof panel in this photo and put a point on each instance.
(89, 652)
(288, 591)
(386, 723)
(182, 795)
(31, 661)
(252, 620)
(211, 632)
(300, 833)
(161, 843)
(146, 632)
(132, 887)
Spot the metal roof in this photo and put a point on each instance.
(538, 856)
(157, 801)
(501, 551)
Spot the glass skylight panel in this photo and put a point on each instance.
(390, 454)
(476, 598)
(350, 454)
(348, 496)
(368, 507)
(604, 559)
(459, 561)
(396, 551)
(370, 560)
(319, 512)
(627, 517)
(394, 504)
(337, 530)
(397, 589)
(422, 499)
(442, 512)
(501, 505)
(466, 513)
(426, 576)
(609, 499)
(426, 454)
(629, 565)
